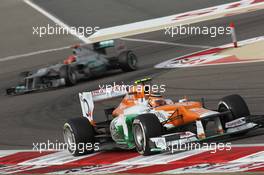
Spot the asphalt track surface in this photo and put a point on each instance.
(39, 117)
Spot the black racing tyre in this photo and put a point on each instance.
(144, 127)
(79, 134)
(128, 61)
(10, 91)
(236, 105)
(69, 75)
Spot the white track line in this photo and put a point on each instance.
(85, 40)
(82, 38)
(13, 57)
(55, 20)
(166, 43)
(32, 53)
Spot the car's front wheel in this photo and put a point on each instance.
(69, 75)
(237, 107)
(144, 127)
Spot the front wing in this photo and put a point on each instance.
(170, 142)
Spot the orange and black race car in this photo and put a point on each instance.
(150, 123)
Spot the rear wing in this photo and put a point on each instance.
(87, 99)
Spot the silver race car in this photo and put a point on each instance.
(86, 62)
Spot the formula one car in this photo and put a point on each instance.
(86, 62)
(150, 123)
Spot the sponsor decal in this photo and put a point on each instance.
(237, 122)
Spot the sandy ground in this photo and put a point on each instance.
(247, 52)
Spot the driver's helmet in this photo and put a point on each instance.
(156, 99)
(70, 59)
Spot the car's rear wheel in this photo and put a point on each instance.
(128, 61)
(78, 133)
(237, 107)
(144, 127)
